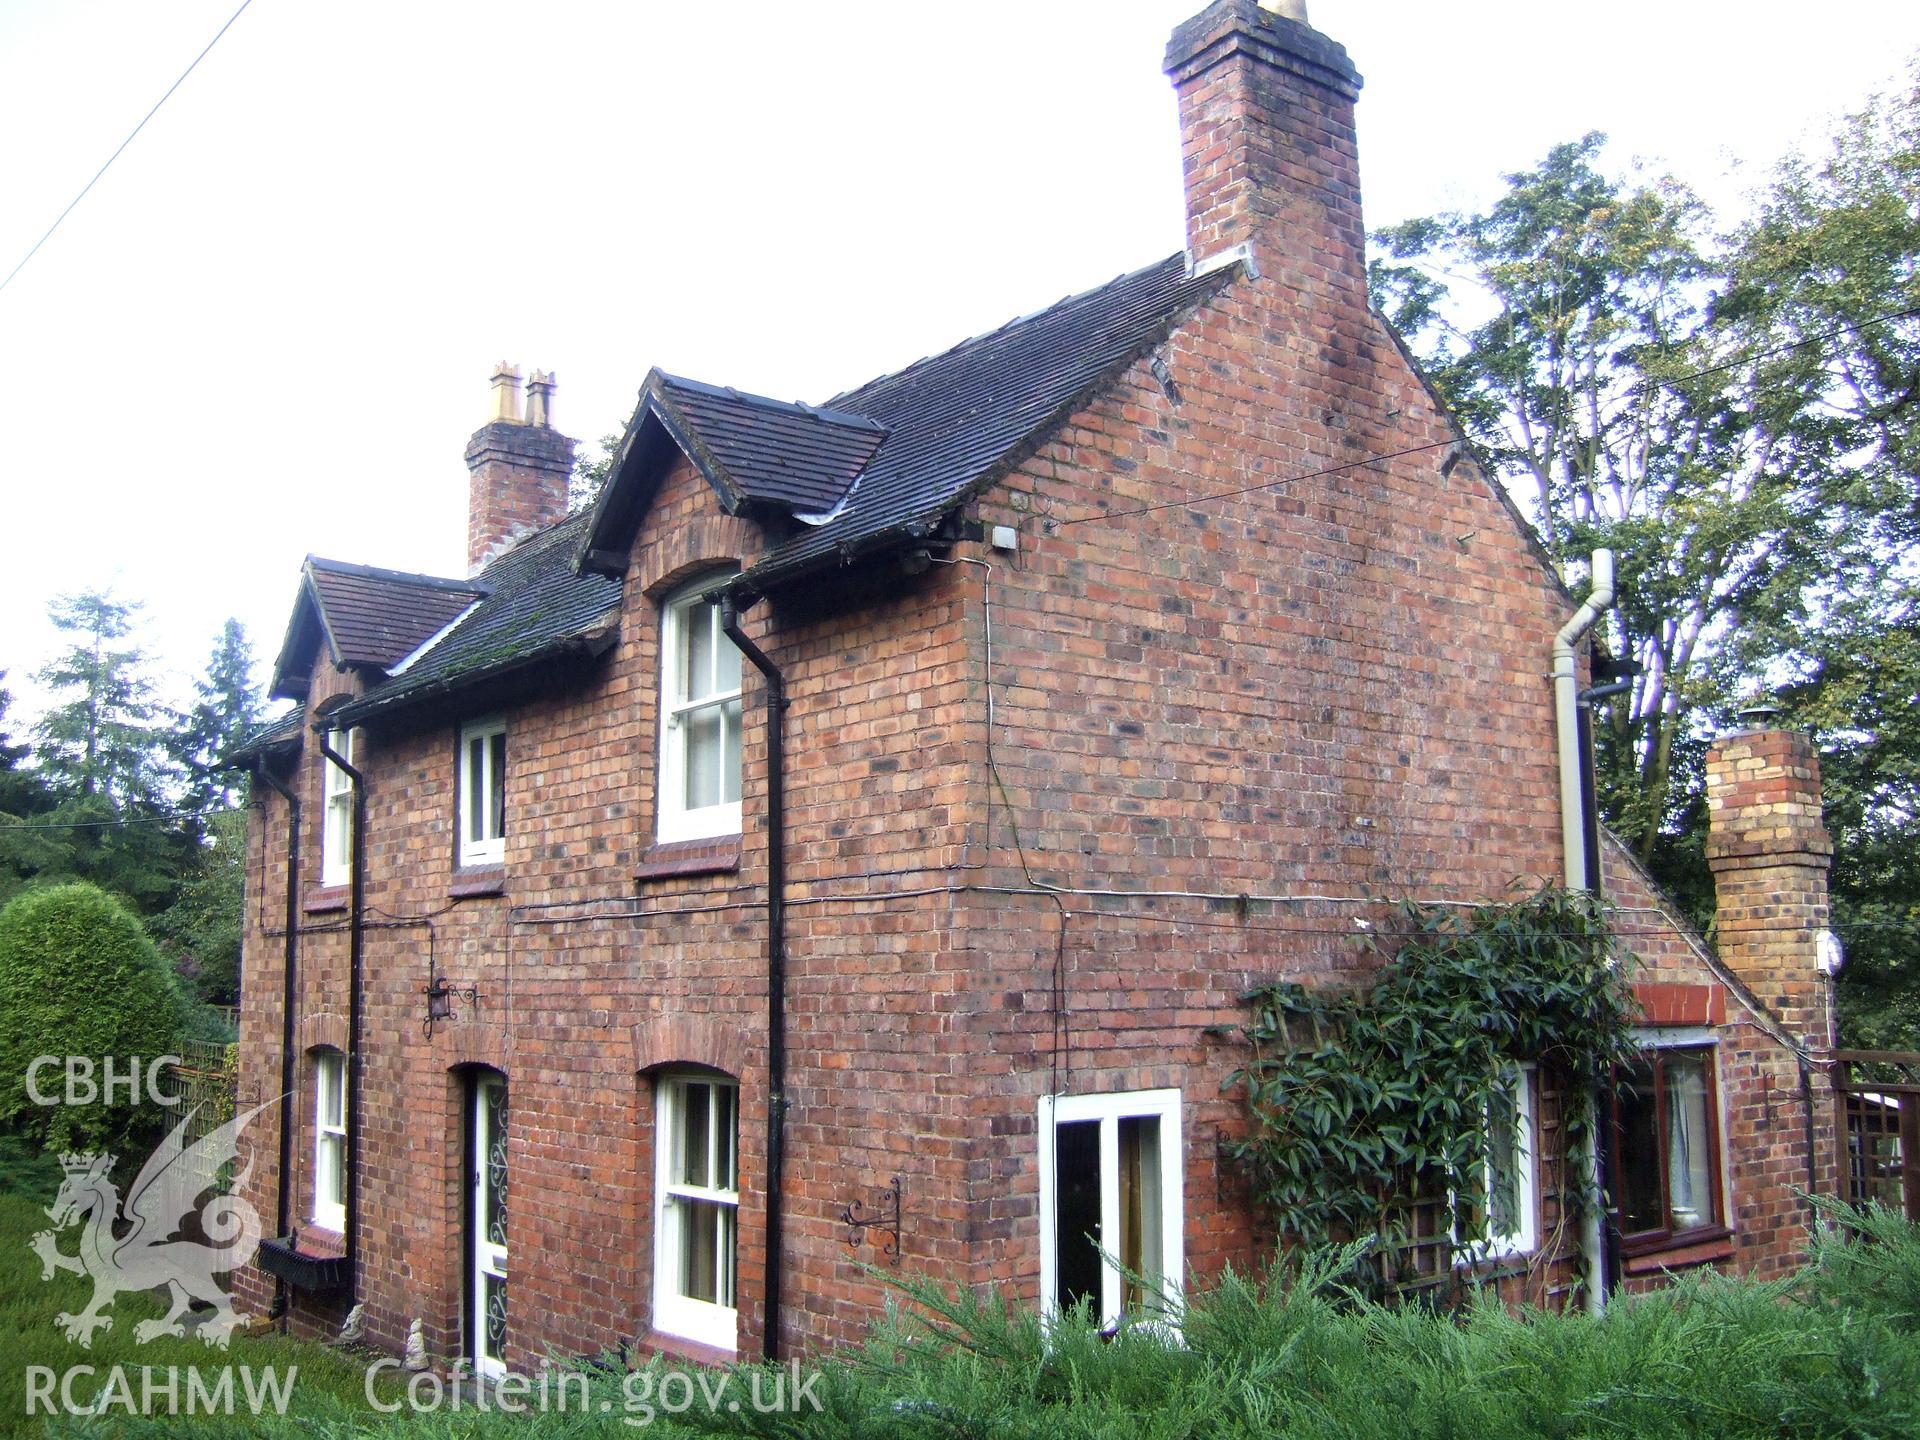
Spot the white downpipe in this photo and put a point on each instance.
(1566, 698)
(1573, 842)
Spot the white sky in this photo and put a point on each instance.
(269, 328)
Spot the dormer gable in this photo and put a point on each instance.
(772, 460)
(365, 618)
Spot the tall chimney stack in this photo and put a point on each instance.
(1768, 848)
(518, 468)
(1267, 145)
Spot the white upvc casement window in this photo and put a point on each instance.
(483, 793)
(336, 799)
(1495, 1212)
(330, 1140)
(1111, 1209)
(699, 718)
(696, 1208)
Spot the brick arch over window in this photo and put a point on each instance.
(712, 542)
(467, 1044)
(325, 1030)
(689, 1040)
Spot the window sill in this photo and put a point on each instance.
(323, 898)
(317, 1242)
(689, 857)
(479, 881)
(1696, 1247)
(291, 1259)
(678, 1347)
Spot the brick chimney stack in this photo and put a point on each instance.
(1267, 144)
(519, 468)
(1768, 849)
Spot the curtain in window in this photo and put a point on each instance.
(1689, 1156)
(1140, 1212)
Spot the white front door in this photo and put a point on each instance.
(487, 1324)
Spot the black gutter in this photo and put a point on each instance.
(356, 898)
(288, 986)
(587, 644)
(776, 694)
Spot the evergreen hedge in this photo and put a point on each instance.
(79, 977)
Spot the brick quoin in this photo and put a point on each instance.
(1319, 696)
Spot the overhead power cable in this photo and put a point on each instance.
(123, 145)
(169, 817)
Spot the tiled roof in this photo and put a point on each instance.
(882, 462)
(377, 617)
(269, 734)
(793, 456)
(366, 616)
(536, 606)
(956, 419)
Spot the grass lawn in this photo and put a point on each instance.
(1832, 1353)
(328, 1383)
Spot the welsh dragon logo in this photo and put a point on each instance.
(138, 1244)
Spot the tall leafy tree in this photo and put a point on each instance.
(104, 752)
(1733, 409)
(1625, 374)
(200, 930)
(590, 474)
(26, 848)
(1833, 256)
(1861, 700)
(106, 735)
(226, 706)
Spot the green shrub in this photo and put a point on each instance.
(1867, 1260)
(1301, 1355)
(78, 977)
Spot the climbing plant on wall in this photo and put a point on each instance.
(1360, 1103)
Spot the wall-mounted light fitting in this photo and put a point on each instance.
(440, 997)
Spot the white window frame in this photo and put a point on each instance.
(1110, 1110)
(675, 820)
(673, 1312)
(329, 1140)
(336, 806)
(1524, 1238)
(491, 850)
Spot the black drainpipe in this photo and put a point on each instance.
(776, 955)
(1813, 1153)
(355, 1062)
(288, 988)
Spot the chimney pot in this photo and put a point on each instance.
(506, 395)
(540, 387)
(518, 470)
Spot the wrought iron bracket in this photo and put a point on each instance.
(884, 1217)
(440, 996)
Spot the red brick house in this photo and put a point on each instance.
(875, 811)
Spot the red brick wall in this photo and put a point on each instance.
(587, 977)
(1261, 718)
(517, 484)
(1334, 688)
